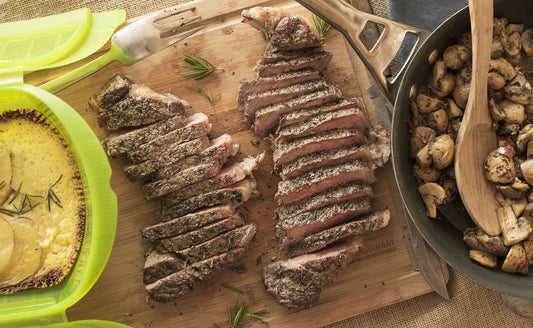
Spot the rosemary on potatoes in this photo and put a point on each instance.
(28, 202)
(321, 26)
(199, 66)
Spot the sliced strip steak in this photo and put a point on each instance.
(197, 126)
(139, 107)
(113, 90)
(159, 265)
(173, 286)
(239, 237)
(225, 177)
(209, 266)
(288, 152)
(312, 161)
(296, 228)
(350, 118)
(274, 56)
(131, 140)
(299, 281)
(200, 235)
(261, 84)
(171, 154)
(319, 240)
(183, 224)
(324, 178)
(181, 179)
(348, 191)
(267, 118)
(318, 61)
(272, 96)
(219, 150)
(235, 194)
(305, 114)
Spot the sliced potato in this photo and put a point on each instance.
(5, 171)
(7, 241)
(26, 257)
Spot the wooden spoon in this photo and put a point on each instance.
(476, 139)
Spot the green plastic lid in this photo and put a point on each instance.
(62, 39)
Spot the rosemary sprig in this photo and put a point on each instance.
(51, 196)
(234, 289)
(199, 66)
(15, 195)
(208, 94)
(2, 184)
(320, 25)
(239, 316)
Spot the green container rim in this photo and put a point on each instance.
(41, 307)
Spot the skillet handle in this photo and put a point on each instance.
(351, 22)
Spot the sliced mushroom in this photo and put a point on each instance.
(528, 248)
(499, 168)
(510, 28)
(518, 89)
(496, 81)
(442, 150)
(516, 260)
(483, 258)
(432, 195)
(527, 171)
(456, 56)
(496, 112)
(518, 205)
(423, 159)
(524, 137)
(463, 76)
(528, 212)
(520, 185)
(500, 24)
(496, 50)
(508, 191)
(466, 40)
(437, 120)
(414, 114)
(513, 59)
(470, 239)
(454, 111)
(450, 187)
(492, 244)
(508, 129)
(503, 67)
(427, 104)
(527, 42)
(514, 229)
(514, 112)
(513, 44)
(420, 137)
(441, 80)
(426, 174)
(460, 94)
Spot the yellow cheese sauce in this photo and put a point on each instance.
(40, 193)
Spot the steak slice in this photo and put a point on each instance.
(173, 286)
(131, 140)
(288, 152)
(349, 118)
(268, 97)
(329, 196)
(200, 235)
(116, 88)
(171, 154)
(197, 126)
(312, 161)
(319, 240)
(261, 84)
(324, 178)
(299, 281)
(139, 107)
(183, 224)
(282, 29)
(267, 118)
(208, 267)
(159, 265)
(316, 60)
(181, 179)
(219, 150)
(302, 115)
(274, 56)
(225, 177)
(239, 237)
(302, 225)
(235, 194)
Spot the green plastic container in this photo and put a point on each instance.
(62, 39)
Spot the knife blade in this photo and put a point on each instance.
(428, 261)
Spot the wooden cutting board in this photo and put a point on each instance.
(383, 273)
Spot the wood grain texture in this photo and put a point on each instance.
(382, 274)
(476, 137)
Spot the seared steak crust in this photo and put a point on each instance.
(159, 265)
(318, 61)
(116, 88)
